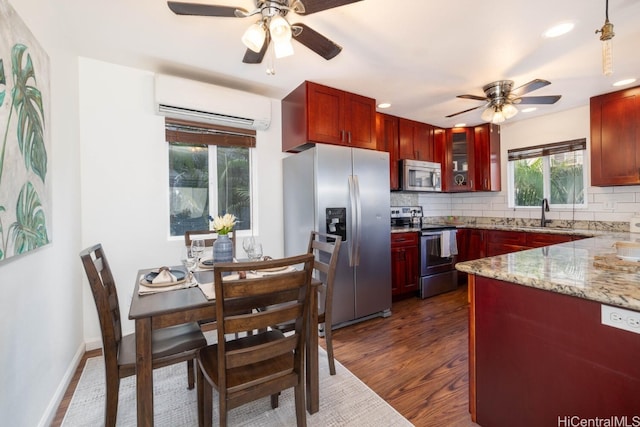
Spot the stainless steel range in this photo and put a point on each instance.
(438, 250)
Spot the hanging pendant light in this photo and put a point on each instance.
(606, 36)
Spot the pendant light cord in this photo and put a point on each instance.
(606, 10)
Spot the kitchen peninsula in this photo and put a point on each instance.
(538, 348)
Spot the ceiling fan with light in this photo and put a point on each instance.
(500, 99)
(272, 25)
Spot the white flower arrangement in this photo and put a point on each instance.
(223, 224)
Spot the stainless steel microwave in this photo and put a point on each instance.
(419, 175)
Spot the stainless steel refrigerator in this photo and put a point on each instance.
(342, 190)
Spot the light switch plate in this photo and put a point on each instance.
(621, 318)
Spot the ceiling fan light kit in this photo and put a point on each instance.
(500, 99)
(272, 26)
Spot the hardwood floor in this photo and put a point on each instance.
(417, 359)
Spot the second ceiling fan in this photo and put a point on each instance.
(272, 25)
(500, 99)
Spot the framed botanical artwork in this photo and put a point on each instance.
(25, 178)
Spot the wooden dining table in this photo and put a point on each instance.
(162, 309)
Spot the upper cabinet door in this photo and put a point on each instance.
(326, 108)
(615, 138)
(486, 150)
(416, 140)
(387, 140)
(360, 121)
(462, 159)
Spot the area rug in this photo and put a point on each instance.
(344, 401)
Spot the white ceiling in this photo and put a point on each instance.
(416, 54)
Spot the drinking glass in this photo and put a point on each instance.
(197, 247)
(187, 259)
(247, 244)
(257, 252)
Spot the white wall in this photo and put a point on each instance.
(40, 292)
(124, 176)
(603, 203)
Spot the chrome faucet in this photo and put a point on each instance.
(545, 208)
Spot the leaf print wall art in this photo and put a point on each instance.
(25, 179)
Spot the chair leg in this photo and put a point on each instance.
(222, 407)
(190, 374)
(207, 404)
(301, 410)
(329, 342)
(200, 394)
(111, 409)
(274, 400)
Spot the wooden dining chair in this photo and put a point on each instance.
(325, 248)
(170, 345)
(265, 361)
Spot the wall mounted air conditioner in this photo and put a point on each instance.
(191, 100)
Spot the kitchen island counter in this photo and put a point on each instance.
(539, 353)
(566, 268)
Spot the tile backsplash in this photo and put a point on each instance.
(607, 207)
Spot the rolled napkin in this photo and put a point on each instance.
(164, 276)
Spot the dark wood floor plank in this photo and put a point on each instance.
(417, 359)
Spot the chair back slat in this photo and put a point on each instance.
(105, 296)
(237, 358)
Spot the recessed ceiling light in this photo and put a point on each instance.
(459, 125)
(528, 110)
(558, 30)
(624, 82)
(384, 105)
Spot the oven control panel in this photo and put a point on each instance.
(406, 211)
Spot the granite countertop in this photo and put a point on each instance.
(566, 268)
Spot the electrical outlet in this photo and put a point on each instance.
(620, 318)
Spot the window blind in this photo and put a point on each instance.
(547, 149)
(197, 133)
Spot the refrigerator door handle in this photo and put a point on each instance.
(353, 237)
(356, 241)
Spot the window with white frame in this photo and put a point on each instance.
(209, 174)
(552, 171)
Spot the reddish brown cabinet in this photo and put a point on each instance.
(387, 140)
(471, 159)
(486, 151)
(615, 138)
(404, 263)
(458, 171)
(416, 140)
(539, 358)
(314, 113)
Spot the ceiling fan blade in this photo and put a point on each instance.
(316, 41)
(551, 99)
(252, 57)
(474, 97)
(313, 6)
(530, 87)
(464, 111)
(204, 9)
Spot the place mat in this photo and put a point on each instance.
(145, 288)
(612, 262)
